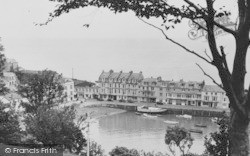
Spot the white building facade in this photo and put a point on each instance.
(69, 89)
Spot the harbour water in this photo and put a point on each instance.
(144, 133)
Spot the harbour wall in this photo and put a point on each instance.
(171, 109)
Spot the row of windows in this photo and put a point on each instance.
(181, 95)
(119, 80)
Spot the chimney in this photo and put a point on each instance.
(159, 78)
(111, 71)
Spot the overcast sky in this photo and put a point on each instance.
(118, 42)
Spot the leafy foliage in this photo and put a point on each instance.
(123, 151)
(95, 150)
(3, 89)
(10, 131)
(2, 62)
(218, 142)
(56, 128)
(41, 89)
(180, 137)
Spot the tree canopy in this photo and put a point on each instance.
(41, 89)
(10, 131)
(56, 128)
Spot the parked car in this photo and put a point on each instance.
(109, 100)
(122, 100)
(159, 103)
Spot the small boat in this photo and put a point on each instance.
(171, 122)
(150, 116)
(195, 131)
(137, 113)
(146, 109)
(214, 119)
(184, 116)
(200, 125)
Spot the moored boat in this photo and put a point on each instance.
(171, 122)
(184, 116)
(200, 125)
(214, 119)
(137, 113)
(195, 131)
(150, 116)
(146, 109)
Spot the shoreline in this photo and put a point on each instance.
(97, 112)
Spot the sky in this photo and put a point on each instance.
(113, 41)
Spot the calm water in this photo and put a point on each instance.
(133, 131)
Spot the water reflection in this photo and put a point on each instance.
(133, 131)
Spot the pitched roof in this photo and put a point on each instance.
(104, 75)
(124, 75)
(84, 84)
(121, 75)
(150, 80)
(137, 76)
(212, 88)
(114, 75)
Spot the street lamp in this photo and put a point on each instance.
(88, 120)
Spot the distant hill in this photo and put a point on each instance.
(83, 83)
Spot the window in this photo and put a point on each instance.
(214, 98)
(160, 94)
(206, 98)
(160, 89)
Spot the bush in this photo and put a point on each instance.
(123, 151)
(218, 142)
(10, 131)
(180, 137)
(95, 150)
(56, 128)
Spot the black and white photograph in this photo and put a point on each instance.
(124, 78)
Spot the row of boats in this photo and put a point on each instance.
(148, 111)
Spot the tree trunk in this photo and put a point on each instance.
(239, 137)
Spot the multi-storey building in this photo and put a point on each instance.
(148, 89)
(179, 92)
(86, 91)
(119, 85)
(132, 86)
(69, 89)
(214, 96)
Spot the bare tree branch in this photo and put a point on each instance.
(210, 76)
(208, 55)
(224, 60)
(182, 46)
(230, 31)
